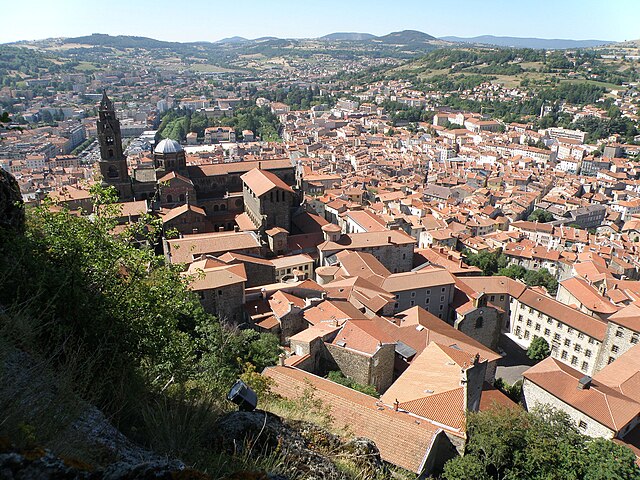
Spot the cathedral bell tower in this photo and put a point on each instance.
(113, 163)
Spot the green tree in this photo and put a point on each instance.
(513, 271)
(542, 278)
(539, 215)
(490, 262)
(538, 349)
(510, 443)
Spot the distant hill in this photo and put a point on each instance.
(405, 37)
(233, 40)
(347, 37)
(518, 42)
(265, 39)
(121, 41)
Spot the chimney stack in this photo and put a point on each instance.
(396, 405)
(584, 383)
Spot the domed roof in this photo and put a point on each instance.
(168, 146)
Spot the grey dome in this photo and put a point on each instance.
(168, 146)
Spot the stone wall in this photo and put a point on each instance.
(376, 370)
(225, 302)
(481, 324)
(292, 323)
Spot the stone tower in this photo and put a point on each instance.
(113, 163)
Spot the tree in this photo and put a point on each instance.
(488, 261)
(542, 278)
(539, 215)
(538, 349)
(513, 271)
(511, 443)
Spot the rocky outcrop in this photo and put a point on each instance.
(11, 204)
(308, 451)
(16, 464)
(83, 444)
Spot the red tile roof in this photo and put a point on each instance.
(402, 439)
(604, 404)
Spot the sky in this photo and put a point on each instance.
(211, 20)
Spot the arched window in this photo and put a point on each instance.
(223, 207)
(169, 198)
(111, 153)
(216, 208)
(479, 322)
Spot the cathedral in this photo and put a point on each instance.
(221, 190)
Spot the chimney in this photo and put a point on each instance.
(281, 360)
(471, 380)
(584, 383)
(389, 239)
(396, 405)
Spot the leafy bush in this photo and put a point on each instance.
(338, 377)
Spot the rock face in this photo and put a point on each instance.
(281, 450)
(11, 204)
(307, 450)
(43, 465)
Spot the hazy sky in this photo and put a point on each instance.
(210, 20)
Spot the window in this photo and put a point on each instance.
(428, 291)
(479, 322)
(577, 348)
(615, 349)
(426, 300)
(526, 334)
(547, 332)
(619, 333)
(585, 366)
(519, 318)
(441, 307)
(492, 298)
(591, 340)
(412, 303)
(537, 327)
(549, 321)
(567, 342)
(502, 298)
(559, 326)
(634, 338)
(569, 330)
(564, 355)
(574, 360)
(443, 289)
(518, 330)
(580, 335)
(413, 294)
(528, 322)
(582, 425)
(587, 353)
(611, 359)
(556, 336)
(442, 298)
